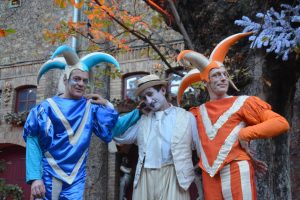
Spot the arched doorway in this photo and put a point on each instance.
(14, 173)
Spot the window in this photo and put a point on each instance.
(129, 85)
(26, 99)
(174, 82)
(14, 3)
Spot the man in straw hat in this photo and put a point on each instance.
(58, 130)
(225, 120)
(165, 137)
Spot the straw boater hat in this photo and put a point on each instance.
(71, 61)
(148, 81)
(203, 65)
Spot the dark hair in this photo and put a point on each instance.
(159, 87)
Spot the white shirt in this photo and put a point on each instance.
(158, 152)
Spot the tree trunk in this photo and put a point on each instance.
(97, 166)
(277, 82)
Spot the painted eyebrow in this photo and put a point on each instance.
(146, 94)
(217, 73)
(149, 93)
(78, 77)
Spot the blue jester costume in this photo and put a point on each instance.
(58, 131)
(63, 129)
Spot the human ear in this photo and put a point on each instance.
(163, 90)
(65, 80)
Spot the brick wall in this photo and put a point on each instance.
(23, 53)
(136, 60)
(21, 57)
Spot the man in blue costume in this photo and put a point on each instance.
(58, 130)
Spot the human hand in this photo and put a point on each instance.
(143, 107)
(96, 98)
(32, 198)
(38, 189)
(260, 167)
(246, 146)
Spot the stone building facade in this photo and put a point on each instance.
(21, 55)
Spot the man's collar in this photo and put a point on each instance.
(166, 111)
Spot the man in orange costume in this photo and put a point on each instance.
(224, 123)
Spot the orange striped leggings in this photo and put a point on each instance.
(235, 181)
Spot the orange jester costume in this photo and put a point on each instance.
(227, 169)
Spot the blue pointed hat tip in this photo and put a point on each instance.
(60, 50)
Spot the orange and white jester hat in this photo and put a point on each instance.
(71, 61)
(203, 65)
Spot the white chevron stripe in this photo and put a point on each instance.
(67, 178)
(73, 137)
(224, 151)
(211, 130)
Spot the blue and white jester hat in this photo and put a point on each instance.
(71, 61)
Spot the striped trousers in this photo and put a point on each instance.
(235, 181)
(159, 184)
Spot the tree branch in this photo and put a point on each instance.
(141, 37)
(180, 25)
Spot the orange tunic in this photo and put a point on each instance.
(222, 122)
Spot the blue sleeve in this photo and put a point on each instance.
(33, 159)
(126, 121)
(31, 124)
(105, 120)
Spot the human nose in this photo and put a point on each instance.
(148, 100)
(82, 82)
(223, 76)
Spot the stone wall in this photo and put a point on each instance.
(22, 54)
(136, 60)
(29, 20)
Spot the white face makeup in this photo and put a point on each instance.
(155, 100)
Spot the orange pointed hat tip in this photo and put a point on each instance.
(182, 54)
(202, 64)
(195, 59)
(191, 77)
(220, 51)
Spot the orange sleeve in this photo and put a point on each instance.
(261, 120)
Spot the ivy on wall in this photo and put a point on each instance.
(9, 190)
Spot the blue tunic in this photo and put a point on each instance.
(62, 129)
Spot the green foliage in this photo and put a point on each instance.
(115, 26)
(156, 21)
(2, 165)
(113, 74)
(6, 32)
(105, 72)
(9, 190)
(16, 119)
(10, 31)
